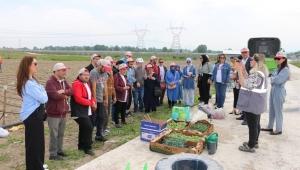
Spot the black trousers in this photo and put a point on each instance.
(204, 88)
(161, 98)
(35, 140)
(120, 108)
(93, 118)
(85, 133)
(99, 113)
(129, 100)
(253, 121)
(236, 93)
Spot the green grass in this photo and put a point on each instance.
(296, 64)
(11, 140)
(4, 157)
(85, 56)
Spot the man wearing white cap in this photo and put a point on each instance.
(153, 60)
(94, 59)
(128, 54)
(98, 78)
(131, 78)
(140, 76)
(246, 61)
(58, 91)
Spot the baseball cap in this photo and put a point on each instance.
(106, 64)
(172, 64)
(109, 58)
(95, 55)
(153, 57)
(128, 53)
(129, 60)
(119, 62)
(149, 66)
(139, 60)
(245, 49)
(280, 54)
(60, 66)
(82, 71)
(99, 62)
(121, 66)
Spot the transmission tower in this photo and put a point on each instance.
(176, 40)
(140, 33)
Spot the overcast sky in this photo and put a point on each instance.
(218, 24)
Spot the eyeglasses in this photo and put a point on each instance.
(161, 62)
(35, 63)
(244, 52)
(277, 58)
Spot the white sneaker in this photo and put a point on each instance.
(95, 128)
(107, 130)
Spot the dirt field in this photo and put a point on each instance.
(12, 149)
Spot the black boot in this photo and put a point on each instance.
(173, 103)
(169, 103)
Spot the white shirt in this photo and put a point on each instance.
(219, 74)
(126, 92)
(162, 72)
(245, 61)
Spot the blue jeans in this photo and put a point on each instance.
(220, 93)
(138, 99)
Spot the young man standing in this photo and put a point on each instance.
(98, 78)
(246, 61)
(140, 76)
(94, 59)
(162, 70)
(131, 78)
(58, 91)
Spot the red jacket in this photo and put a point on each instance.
(57, 105)
(119, 87)
(80, 102)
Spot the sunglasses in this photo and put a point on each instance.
(277, 58)
(161, 62)
(244, 52)
(188, 61)
(35, 63)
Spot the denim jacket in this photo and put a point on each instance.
(226, 68)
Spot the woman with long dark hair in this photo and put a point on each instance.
(34, 97)
(277, 95)
(204, 72)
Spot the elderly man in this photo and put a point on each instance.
(246, 61)
(58, 91)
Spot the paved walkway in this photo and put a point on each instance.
(275, 152)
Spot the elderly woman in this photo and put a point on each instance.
(253, 97)
(221, 77)
(277, 95)
(204, 72)
(151, 81)
(172, 78)
(189, 74)
(180, 86)
(122, 88)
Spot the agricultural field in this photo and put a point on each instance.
(12, 148)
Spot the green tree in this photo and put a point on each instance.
(165, 49)
(116, 48)
(201, 49)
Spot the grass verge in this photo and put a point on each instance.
(296, 64)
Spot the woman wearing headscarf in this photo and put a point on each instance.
(277, 95)
(189, 74)
(151, 81)
(172, 78)
(253, 97)
(221, 77)
(204, 73)
(180, 86)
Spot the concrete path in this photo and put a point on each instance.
(275, 152)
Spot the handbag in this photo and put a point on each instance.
(172, 87)
(157, 91)
(162, 85)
